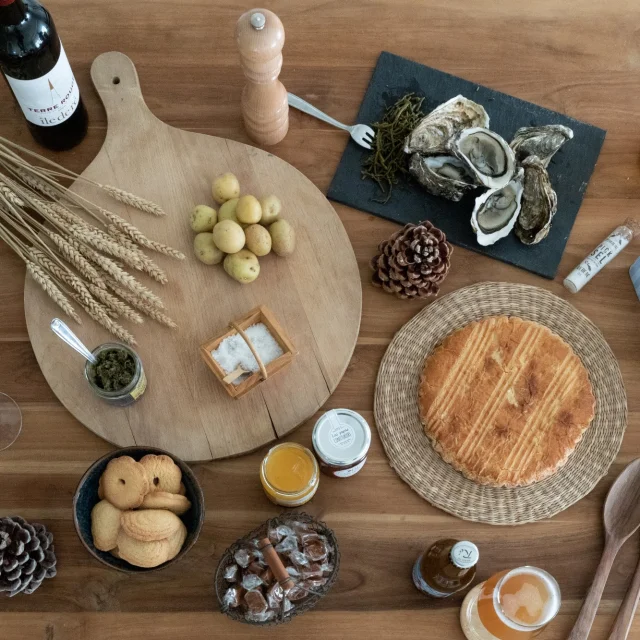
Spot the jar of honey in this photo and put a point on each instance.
(289, 474)
(512, 605)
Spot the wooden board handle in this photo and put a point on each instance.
(116, 80)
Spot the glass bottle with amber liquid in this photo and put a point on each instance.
(447, 567)
(35, 66)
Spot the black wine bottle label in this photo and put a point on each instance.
(51, 99)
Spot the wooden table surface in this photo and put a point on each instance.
(580, 57)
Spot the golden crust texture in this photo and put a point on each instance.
(505, 401)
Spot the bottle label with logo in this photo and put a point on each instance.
(51, 99)
(422, 585)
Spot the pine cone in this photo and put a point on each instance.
(26, 555)
(413, 261)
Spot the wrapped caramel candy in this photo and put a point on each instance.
(260, 617)
(279, 533)
(315, 547)
(292, 571)
(290, 543)
(255, 602)
(299, 559)
(231, 573)
(275, 595)
(312, 571)
(250, 581)
(297, 592)
(232, 597)
(256, 568)
(242, 557)
(315, 583)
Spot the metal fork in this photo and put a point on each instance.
(361, 133)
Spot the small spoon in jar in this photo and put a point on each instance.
(66, 335)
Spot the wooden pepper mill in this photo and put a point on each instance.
(260, 38)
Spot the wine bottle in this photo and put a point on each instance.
(37, 71)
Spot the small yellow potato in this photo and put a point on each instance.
(283, 238)
(258, 239)
(242, 266)
(228, 236)
(271, 207)
(225, 187)
(203, 218)
(227, 210)
(205, 250)
(249, 210)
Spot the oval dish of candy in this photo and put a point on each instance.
(248, 591)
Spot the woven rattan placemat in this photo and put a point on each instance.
(409, 449)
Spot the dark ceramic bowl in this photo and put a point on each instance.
(86, 498)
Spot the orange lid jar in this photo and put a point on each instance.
(289, 474)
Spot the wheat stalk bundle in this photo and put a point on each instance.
(75, 250)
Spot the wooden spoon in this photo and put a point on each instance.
(235, 374)
(624, 619)
(621, 520)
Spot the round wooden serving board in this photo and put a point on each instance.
(315, 294)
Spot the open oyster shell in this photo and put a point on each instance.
(487, 156)
(444, 176)
(497, 210)
(540, 141)
(539, 202)
(434, 132)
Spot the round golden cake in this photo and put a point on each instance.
(505, 401)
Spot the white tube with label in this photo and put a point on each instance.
(602, 255)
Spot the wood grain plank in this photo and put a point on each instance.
(580, 57)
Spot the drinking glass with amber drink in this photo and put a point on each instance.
(512, 605)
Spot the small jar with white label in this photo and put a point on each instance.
(341, 441)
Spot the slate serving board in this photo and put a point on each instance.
(570, 168)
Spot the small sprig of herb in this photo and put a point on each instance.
(387, 160)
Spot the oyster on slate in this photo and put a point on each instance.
(444, 176)
(497, 210)
(539, 202)
(487, 156)
(540, 141)
(433, 133)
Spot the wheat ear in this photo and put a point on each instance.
(83, 295)
(142, 305)
(36, 183)
(10, 195)
(110, 325)
(115, 304)
(118, 274)
(132, 200)
(41, 277)
(102, 242)
(135, 234)
(74, 257)
(148, 266)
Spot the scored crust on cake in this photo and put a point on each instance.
(505, 401)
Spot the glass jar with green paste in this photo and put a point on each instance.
(118, 377)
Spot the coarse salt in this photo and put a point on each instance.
(233, 352)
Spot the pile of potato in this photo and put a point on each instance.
(243, 229)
